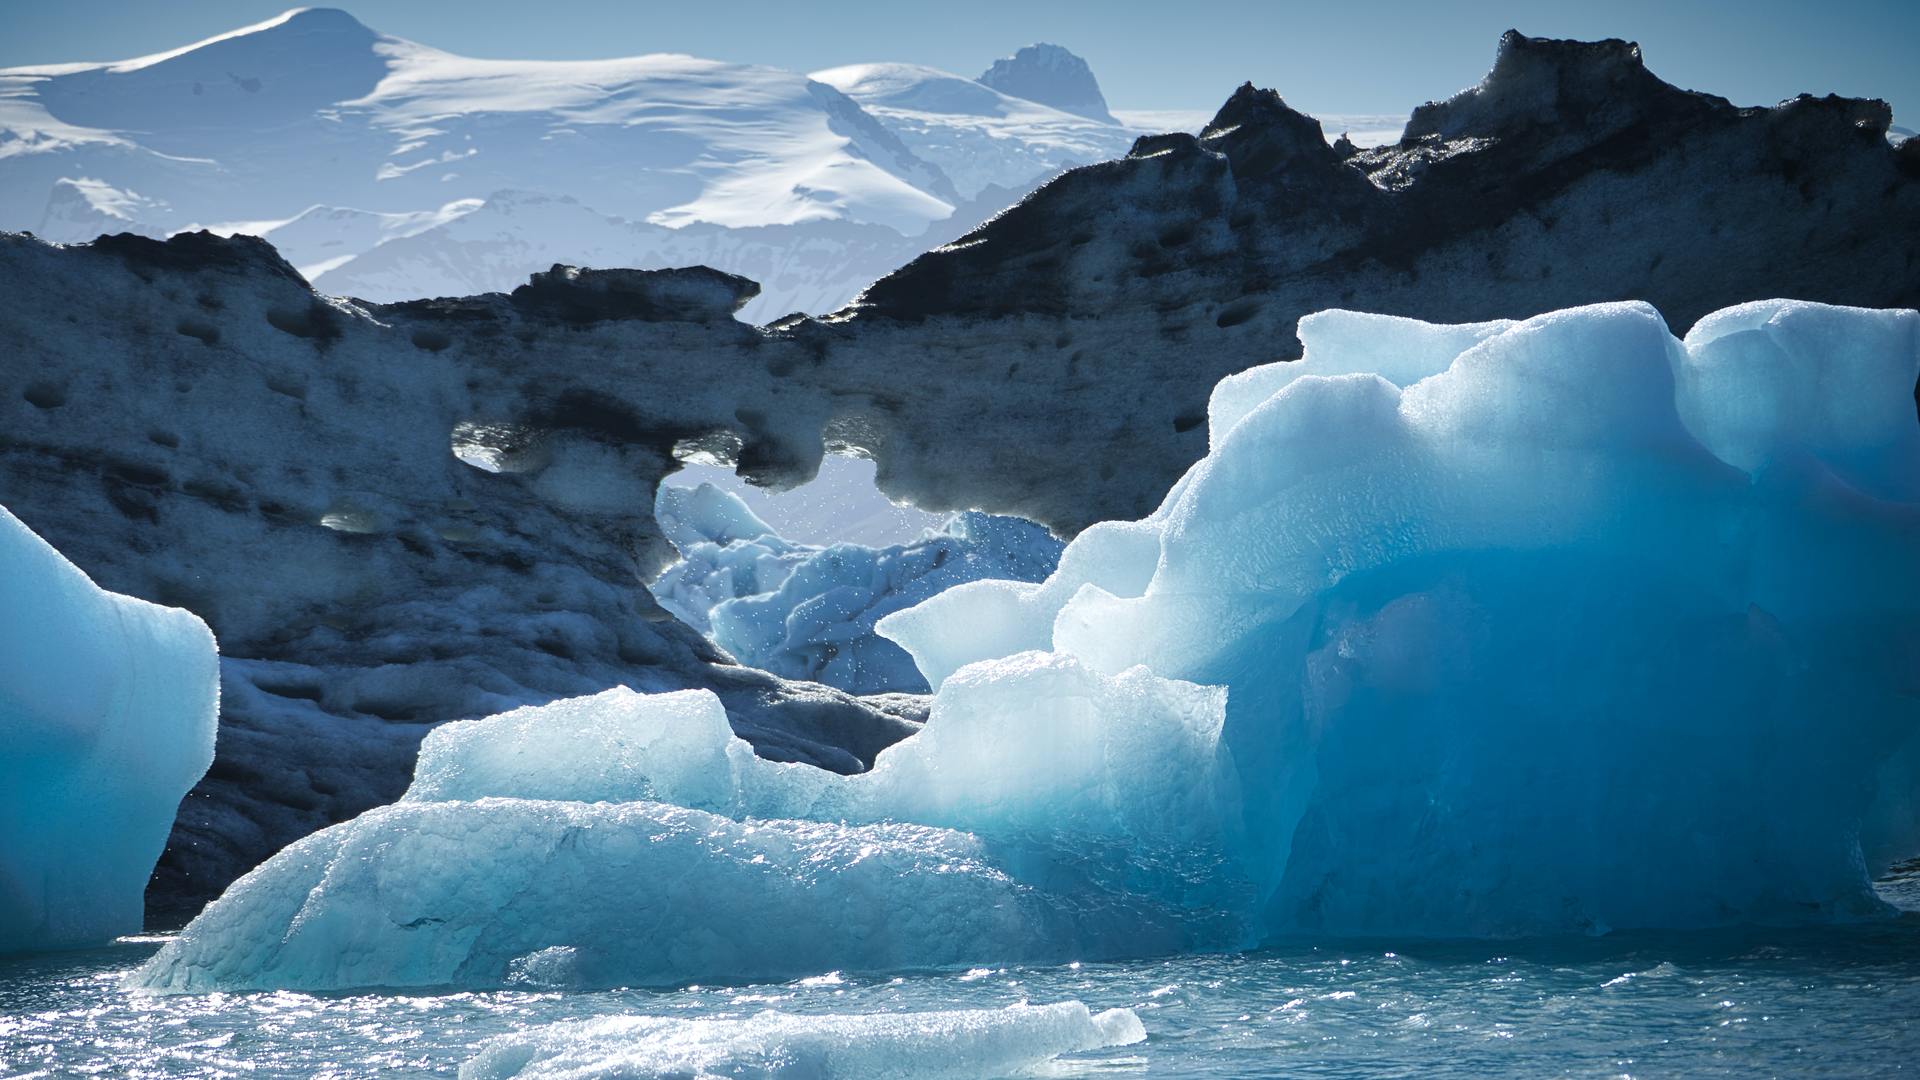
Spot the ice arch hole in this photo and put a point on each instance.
(794, 582)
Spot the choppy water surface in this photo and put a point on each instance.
(1837, 1002)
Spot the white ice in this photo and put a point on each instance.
(808, 612)
(107, 713)
(961, 1044)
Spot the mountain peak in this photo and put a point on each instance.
(294, 23)
(1553, 84)
(1050, 75)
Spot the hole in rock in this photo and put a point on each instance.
(350, 517)
(203, 329)
(499, 448)
(45, 395)
(795, 582)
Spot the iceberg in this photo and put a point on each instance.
(1544, 627)
(961, 1043)
(1547, 627)
(807, 612)
(108, 706)
(632, 839)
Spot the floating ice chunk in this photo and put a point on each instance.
(108, 706)
(809, 613)
(705, 515)
(479, 894)
(992, 618)
(1563, 614)
(616, 746)
(881, 1046)
(1098, 807)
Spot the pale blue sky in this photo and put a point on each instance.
(1356, 57)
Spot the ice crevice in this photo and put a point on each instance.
(1561, 625)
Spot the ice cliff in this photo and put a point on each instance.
(807, 612)
(1557, 626)
(107, 712)
(407, 513)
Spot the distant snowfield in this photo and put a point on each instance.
(841, 505)
(387, 169)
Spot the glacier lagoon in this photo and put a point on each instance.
(531, 854)
(1838, 1001)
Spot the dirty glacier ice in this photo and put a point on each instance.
(1555, 626)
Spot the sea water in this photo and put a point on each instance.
(1833, 1001)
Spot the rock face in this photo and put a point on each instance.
(393, 515)
(383, 529)
(1052, 76)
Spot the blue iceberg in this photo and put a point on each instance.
(1557, 626)
(108, 706)
(805, 612)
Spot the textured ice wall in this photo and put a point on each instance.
(1526, 628)
(107, 714)
(1044, 812)
(806, 612)
(963, 1044)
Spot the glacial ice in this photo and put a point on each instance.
(962, 1043)
(1584, 628)
(807, 612)
(545, 845)
(107, 715)
(1587, 628)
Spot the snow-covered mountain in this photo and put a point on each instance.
(1052, 76)
(313, 108)
(336, 142)
(388, 170)
(320, 238)
(977, 135)
(495, 244)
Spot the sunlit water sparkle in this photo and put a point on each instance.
(1840, 1001)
